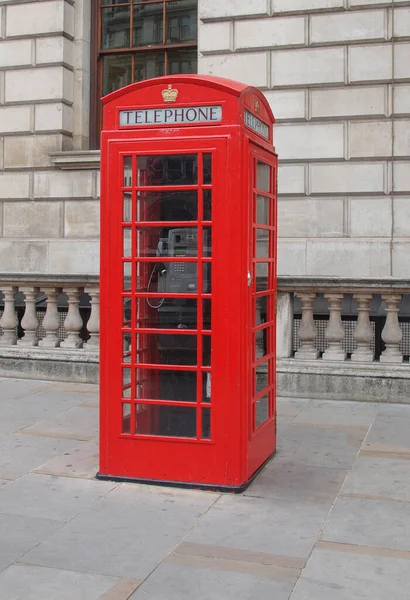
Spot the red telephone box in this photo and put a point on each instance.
(188, 283)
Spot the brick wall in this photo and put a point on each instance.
(337, 75)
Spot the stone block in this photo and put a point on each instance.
(370, 63)
(402, 138)
(308, 67)
(15, 119)
(214, 37)
(32, 151)
(53, 117)
(284, 325)
(266, 33)
(77, 184)
(209, 9)
(348, 258)
(82, 219)
(42, 83)
(291, 180)
(14, 185)
(401, 99)
(348, 27)
(400, 257)
(305, 5)
(347, 178)
(359, 3)
(249, 67)
(401, 22)
(370, 217)
(402, 61)
(401, 177)
(370, 139)
(401, 221)
(41, 220)
(51, 50)
(291, 257)
(287, 104)
(15, 53)
(23, 256)
(295, 142)
(74, 257)
(311, 217)
(39, 18)
(348, 102)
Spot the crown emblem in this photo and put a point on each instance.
(170, 94)
(257, 106)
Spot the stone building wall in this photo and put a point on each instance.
(337, 75)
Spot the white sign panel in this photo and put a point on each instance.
(256, 124)
(171, 116)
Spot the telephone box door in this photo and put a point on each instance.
(164, 263)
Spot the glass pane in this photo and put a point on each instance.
(167, 206)
(148, 24)
(207, 242)
(167, 278)
(126, 417)
(127, 307)
(181, 21)
(175, 169)
(127, 171)
(206, 351)
(158, 384)
(126, 347)
(181, 242)
(206, 423)
(127, 242)
(127, 207)
(168, 313)
(262, 377)
(127, 277)
(172, 421)
(114, 1)
(115, 27)
(262, 243)
(207, 176)
(263, 177)
(182, 61)
(126, 383)
(166, 349)
(262, 210)
(207, 196)
(262, 277)
(116, 72)
(262, 410)
(207, 278)
(206, 387)
(148, 65)
(206, 307)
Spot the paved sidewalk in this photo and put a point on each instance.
(327, 519)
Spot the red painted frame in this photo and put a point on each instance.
(236, 448)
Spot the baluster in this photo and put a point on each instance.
(9, 321)
(392, 334)
(307, 329)
(363, 333)
(30, 321)
(335, 333)
(73, 321)
(51, 321)
(93, 324)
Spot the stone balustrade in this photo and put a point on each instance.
(338, 320)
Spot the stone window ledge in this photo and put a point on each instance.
(76, 160)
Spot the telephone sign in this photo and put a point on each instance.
(188, 283)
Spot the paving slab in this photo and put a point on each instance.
(387, 477)
(80, 423)
(297, 484)
(322, 412)
(395, 410)
(290, 407)
(80, 462)
(22, 453)
(20, 534)
(4, 482)
(182, 578)
(391, 432)
(261, 525)
(79, 388)
(25, 582)
(10, 389)
(333, 575)
(50, 497)
(126, 533)
(364, 522)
